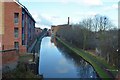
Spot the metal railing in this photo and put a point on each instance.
(36, 44)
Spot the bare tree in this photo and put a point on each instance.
(83, 35)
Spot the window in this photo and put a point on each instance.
(16, 17)
(23, 36)
(23, 19)
(16, 45)
(16, 32)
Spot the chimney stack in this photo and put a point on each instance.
(68, 20)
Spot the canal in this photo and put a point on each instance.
(58, 62)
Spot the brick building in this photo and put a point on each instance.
(55, 28)
(38, 31)
(19, 27)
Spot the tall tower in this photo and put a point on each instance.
(68, 20)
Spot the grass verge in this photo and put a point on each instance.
(98, 64)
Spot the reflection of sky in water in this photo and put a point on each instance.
(58, 64)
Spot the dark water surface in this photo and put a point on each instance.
(58, 62)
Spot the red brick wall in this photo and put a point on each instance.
(8, 38)
(9, 60)
(9, 56)
(0, 42)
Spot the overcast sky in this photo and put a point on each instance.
(55, 12)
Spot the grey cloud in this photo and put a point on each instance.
(43, 21)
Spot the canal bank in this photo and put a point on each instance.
(100, 66)
(56, 61)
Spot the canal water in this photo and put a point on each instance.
(56, 61)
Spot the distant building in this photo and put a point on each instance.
(38, 31)
(49, 32)
(19, 27)
(54, 28)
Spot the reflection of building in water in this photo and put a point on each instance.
(53, 40)
(84, 69)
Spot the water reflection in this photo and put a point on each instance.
(58, 62)
(84, 69)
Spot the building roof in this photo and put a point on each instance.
(37, 28)
(61, 25)
(24, 8)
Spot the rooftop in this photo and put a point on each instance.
(62, 25)
(16, 1)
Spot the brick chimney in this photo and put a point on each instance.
(68, 20)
